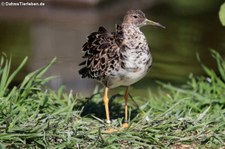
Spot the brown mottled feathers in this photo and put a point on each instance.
(101, 53)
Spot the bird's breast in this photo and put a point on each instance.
(135, 59)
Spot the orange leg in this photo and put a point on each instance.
(106, 103)
(125, 124)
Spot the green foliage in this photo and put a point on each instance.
(222, 14)
(34, 116)
(5, 77)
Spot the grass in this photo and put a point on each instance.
(188, 116)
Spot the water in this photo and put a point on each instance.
(188, 32)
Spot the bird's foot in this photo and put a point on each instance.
(110, 130)
(125, 125)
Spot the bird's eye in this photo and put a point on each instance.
(135, 17)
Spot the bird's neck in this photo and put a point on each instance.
(131, 31)
(133, 36)
(130, 26)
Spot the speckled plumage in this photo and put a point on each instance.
(118, 58)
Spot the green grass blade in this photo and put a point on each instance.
(12, 76)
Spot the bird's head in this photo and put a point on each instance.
(137, 18)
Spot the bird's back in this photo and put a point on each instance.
(101, 54)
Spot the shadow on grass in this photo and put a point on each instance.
(116, 109)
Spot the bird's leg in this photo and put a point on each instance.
(125, 124)
(106, 103)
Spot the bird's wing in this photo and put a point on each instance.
(99, 52)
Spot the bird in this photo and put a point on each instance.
(119, 58)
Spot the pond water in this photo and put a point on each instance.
(174, 49)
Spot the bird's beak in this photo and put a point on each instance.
(150, 22)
